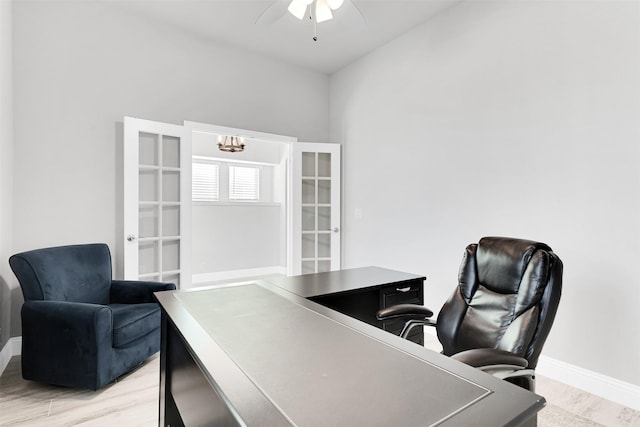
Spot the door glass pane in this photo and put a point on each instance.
(147, 257)
(308, 191)
(148, 221)
(171, 186)
(148, 185)
(324, 245)
(324, 191)
(172, 278)
(308, 267)
(324, 266)
(308, 164)
(324, 165)
(308, 245)
(324, 218)
(171, 221)
(171, 151)
(308, 218)
(148, 149)
(171, 255)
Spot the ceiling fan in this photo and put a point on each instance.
(316, 11)
(323, 8)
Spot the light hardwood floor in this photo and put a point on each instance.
(133, 401)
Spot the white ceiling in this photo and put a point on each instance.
(265, 26)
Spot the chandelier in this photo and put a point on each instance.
(323, 8)
(230, 144)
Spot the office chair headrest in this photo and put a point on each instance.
(503, 262)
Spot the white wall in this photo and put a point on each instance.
(81, 66)
(505, 118)
(233, 237)
(8, 284)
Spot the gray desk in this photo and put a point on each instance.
(360, 293)
(257, 355)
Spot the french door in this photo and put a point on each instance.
(157, 201)
(315, 203)
(157, 196)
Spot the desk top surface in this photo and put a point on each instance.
(349, 280)
(318, 367)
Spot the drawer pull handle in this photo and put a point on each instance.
(407, 289)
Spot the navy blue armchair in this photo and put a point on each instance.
(80, 328)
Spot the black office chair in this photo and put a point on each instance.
(500, 315)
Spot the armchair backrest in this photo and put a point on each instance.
(78, 273)
(507, 298)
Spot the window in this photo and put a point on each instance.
(219, 181)
(244, 183)
(205, 182)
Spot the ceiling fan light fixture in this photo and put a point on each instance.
(298, 8)
(335, 4)
(323, 11)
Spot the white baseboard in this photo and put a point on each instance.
(13, 347)
(199, 279)
(609, 388)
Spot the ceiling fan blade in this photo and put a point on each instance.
(276, 10)
(362, 21)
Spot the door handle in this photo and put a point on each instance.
(336, 229)
(131, 238)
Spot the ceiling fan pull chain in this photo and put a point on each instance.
(315, 27)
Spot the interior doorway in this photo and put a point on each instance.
(239, 209)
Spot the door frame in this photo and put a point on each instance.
(290, 141)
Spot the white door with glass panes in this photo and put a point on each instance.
(315, 186)
(157, 198)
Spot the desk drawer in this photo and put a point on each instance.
(401, 294)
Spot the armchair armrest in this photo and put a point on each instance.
(490, 357)
(407, 311)
(63, 341)
(136, 291)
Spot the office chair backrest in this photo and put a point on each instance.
(77, 273)
(508, 294)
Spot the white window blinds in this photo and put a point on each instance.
(244, 183)
(205, 182)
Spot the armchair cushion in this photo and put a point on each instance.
(133, 321)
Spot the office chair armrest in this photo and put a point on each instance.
(489, 357)
(406, 311)
(136, 291)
